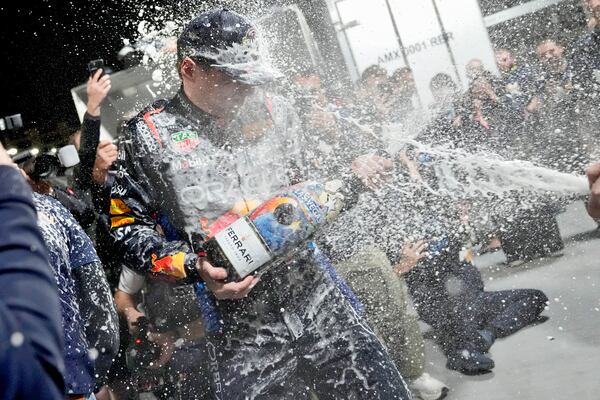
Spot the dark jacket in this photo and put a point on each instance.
(31, 360)
(584, 64)
(89, 318)
(90, 138)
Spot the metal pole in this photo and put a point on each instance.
(337, 10)
(446, 41)
(397, 32)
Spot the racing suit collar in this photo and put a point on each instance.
(189, 109)
(184, 106)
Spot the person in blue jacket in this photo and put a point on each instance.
(89, 319)
(31, 360)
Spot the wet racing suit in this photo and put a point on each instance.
(295, 332)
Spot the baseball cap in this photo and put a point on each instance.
(231, 42)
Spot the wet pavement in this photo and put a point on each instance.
(556, 360)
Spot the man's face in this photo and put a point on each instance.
(375, 81)
(594, 6)
(505, 60)
(230, 92)
(406, 84)
(474, 69)
(550, 54)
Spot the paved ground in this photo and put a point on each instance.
(557, 360)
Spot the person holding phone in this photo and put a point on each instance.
(96, 158)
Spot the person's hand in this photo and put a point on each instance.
(534, 105)
(214, 279)
(412, 253)
(97, 90)
(4, 157)
(131, 316)
(482, 89)
(593, 175)
(106, 155)
(373, 170)
(413, 169)
(322, 120)
(166, 341)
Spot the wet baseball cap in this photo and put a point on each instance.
(230, 42)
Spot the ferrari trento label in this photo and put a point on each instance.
(243, 247)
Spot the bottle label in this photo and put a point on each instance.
(243, 247)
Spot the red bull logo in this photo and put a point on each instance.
(118, 207)
(116, 222)
(170, 265)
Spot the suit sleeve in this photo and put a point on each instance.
(90, 138)
(135, 207)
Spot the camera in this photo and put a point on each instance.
(44, 166)
(142, 353)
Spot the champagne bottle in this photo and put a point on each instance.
(274, 230)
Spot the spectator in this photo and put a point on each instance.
(445, 96)
(92, 174)
(486, 120)
(551, 57)
(42, 171)
(474, 69)
(585, 59)
(519, 81)
(88, 313)
(555, 126)
(31, 336)
(372, 278)
(95, 157)
(371, 94)
(466, 319)
(174, 326)
(584, 65)
(401, 93)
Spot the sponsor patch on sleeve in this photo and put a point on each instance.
(116, 222)
(118, 207)
(170, 265)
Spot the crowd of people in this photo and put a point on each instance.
(109, 293)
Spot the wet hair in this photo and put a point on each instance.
(202, 62)
(547, 41)
(373, 71)
(442, 80)
(399, 74)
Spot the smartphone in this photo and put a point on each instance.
(95, 65)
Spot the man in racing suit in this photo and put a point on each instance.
(185, 162)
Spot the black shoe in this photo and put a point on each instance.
(470, 363)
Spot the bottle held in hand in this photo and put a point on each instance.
(274, 229)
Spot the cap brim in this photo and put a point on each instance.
(253, 74)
